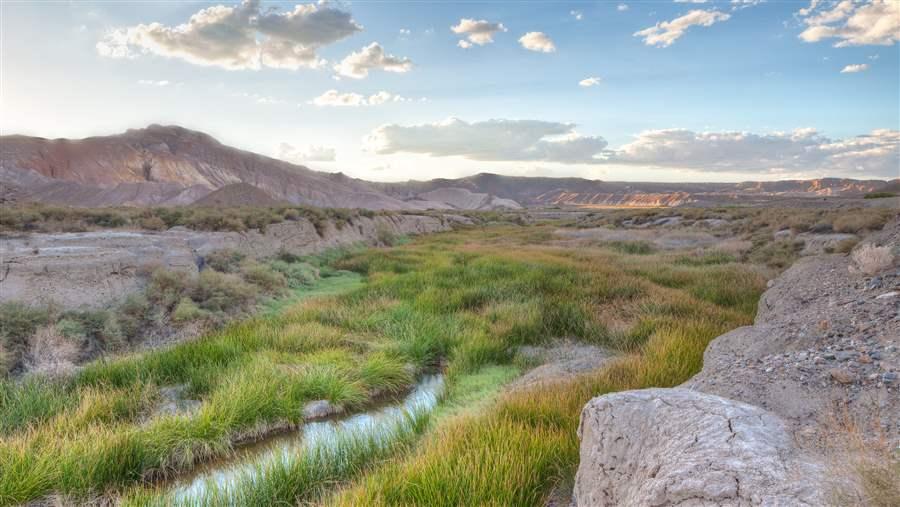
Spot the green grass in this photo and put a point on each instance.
(463, 301)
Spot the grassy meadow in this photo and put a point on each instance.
(462, 302)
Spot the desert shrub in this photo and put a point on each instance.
(132, 315)
(776, 254)
(860, 220)
(187, 311)
(845, 246)
(879, 195)
(222, 292)
(105, 218)
(385, 235)
(263, 276)
(7, 360)
(166, 288)
(71, 329)
(50, 353)
(152, 223)
(871, 259)
(225, 260)
(297, 274)
(287, 256)
(17, 323)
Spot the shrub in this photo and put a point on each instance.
(297, 274)
(879, 195)
(858, 221)
(50, 353)
(152, 223)
(221, 292)
(225, 260)
(166, 288)
(263, 276)
(132, 315)
(187, 311)
(871, 259)
(385, 235)
(7, 360)
(632, 247)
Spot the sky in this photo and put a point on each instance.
(716, 90)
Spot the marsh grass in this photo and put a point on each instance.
(464, 301)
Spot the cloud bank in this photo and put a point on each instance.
(492, 140)
(876, 153)
(876, 22)
(667, 32)
(800, 151)
(239, 37)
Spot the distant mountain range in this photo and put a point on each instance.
(170, 165)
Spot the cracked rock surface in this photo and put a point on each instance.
(680, 447)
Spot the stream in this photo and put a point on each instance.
(245, 460)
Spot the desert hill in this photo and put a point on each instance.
(171, 166)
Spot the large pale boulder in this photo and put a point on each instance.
(659, 447)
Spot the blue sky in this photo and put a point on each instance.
(722, 102)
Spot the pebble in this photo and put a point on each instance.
(887, 295)
(889, 377)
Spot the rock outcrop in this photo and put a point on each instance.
(749, 428)
(679, 447)
(97, 268)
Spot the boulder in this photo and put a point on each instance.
(680, 447)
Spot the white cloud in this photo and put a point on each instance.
(872, 22)
(357, 65)
(150, 82)
(872, 154)
(578, 15)
(405, 31)
(622, 7)
(743, 4)
(589, 81)
(537, 41)
(665, 33)
(333, 98)
(874, 57)
(313, 153)
(479, 32)
(492, 140)
(854, 68)
(238, 37)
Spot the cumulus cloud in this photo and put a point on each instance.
(578, 15)
(238, 37)
(492, 140)
(333, 98)
(537, 41)
(479, 32)
(312, 153)
(876, 153)
(589, 81)
(854, 68)
(665, 33)
(357, 64)
(622, 7)
(872, 22)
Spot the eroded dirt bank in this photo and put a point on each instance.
(94, 269)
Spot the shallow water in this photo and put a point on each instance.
(245, 460)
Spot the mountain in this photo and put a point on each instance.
(166, 165)
(171, 166)
(542, 191)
